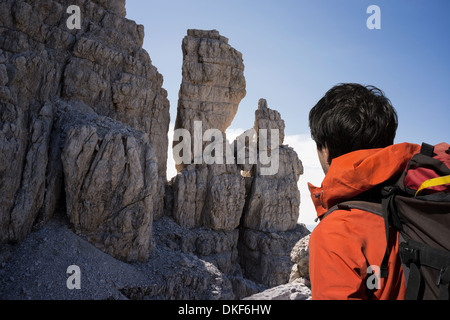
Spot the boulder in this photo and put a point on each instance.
(265, 256)
(111, 178)
(291, 291)
(300, 258)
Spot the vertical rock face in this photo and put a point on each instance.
(208, 199)
(213, 83)
(111, 180)
(267, 210)
(118, 78)
(209, 195)
(101, 65)
(265, 204)
(270, 229)
(24, 146)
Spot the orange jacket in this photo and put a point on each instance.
(346, 243)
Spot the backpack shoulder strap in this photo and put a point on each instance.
(427, 150)
(379, 209)
(372, 207)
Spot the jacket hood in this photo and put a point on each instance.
(359, 171)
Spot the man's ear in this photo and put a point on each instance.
(324, 158)
(327, 153)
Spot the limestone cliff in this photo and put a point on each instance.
(83, 139)
(101, 67)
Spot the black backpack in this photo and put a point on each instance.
(418, 207)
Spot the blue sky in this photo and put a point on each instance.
(295, 50)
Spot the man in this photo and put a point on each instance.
(354, 128)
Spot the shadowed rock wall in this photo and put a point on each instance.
(101, 67)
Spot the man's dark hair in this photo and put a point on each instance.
(353, 117)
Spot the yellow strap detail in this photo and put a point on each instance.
(433, 183)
